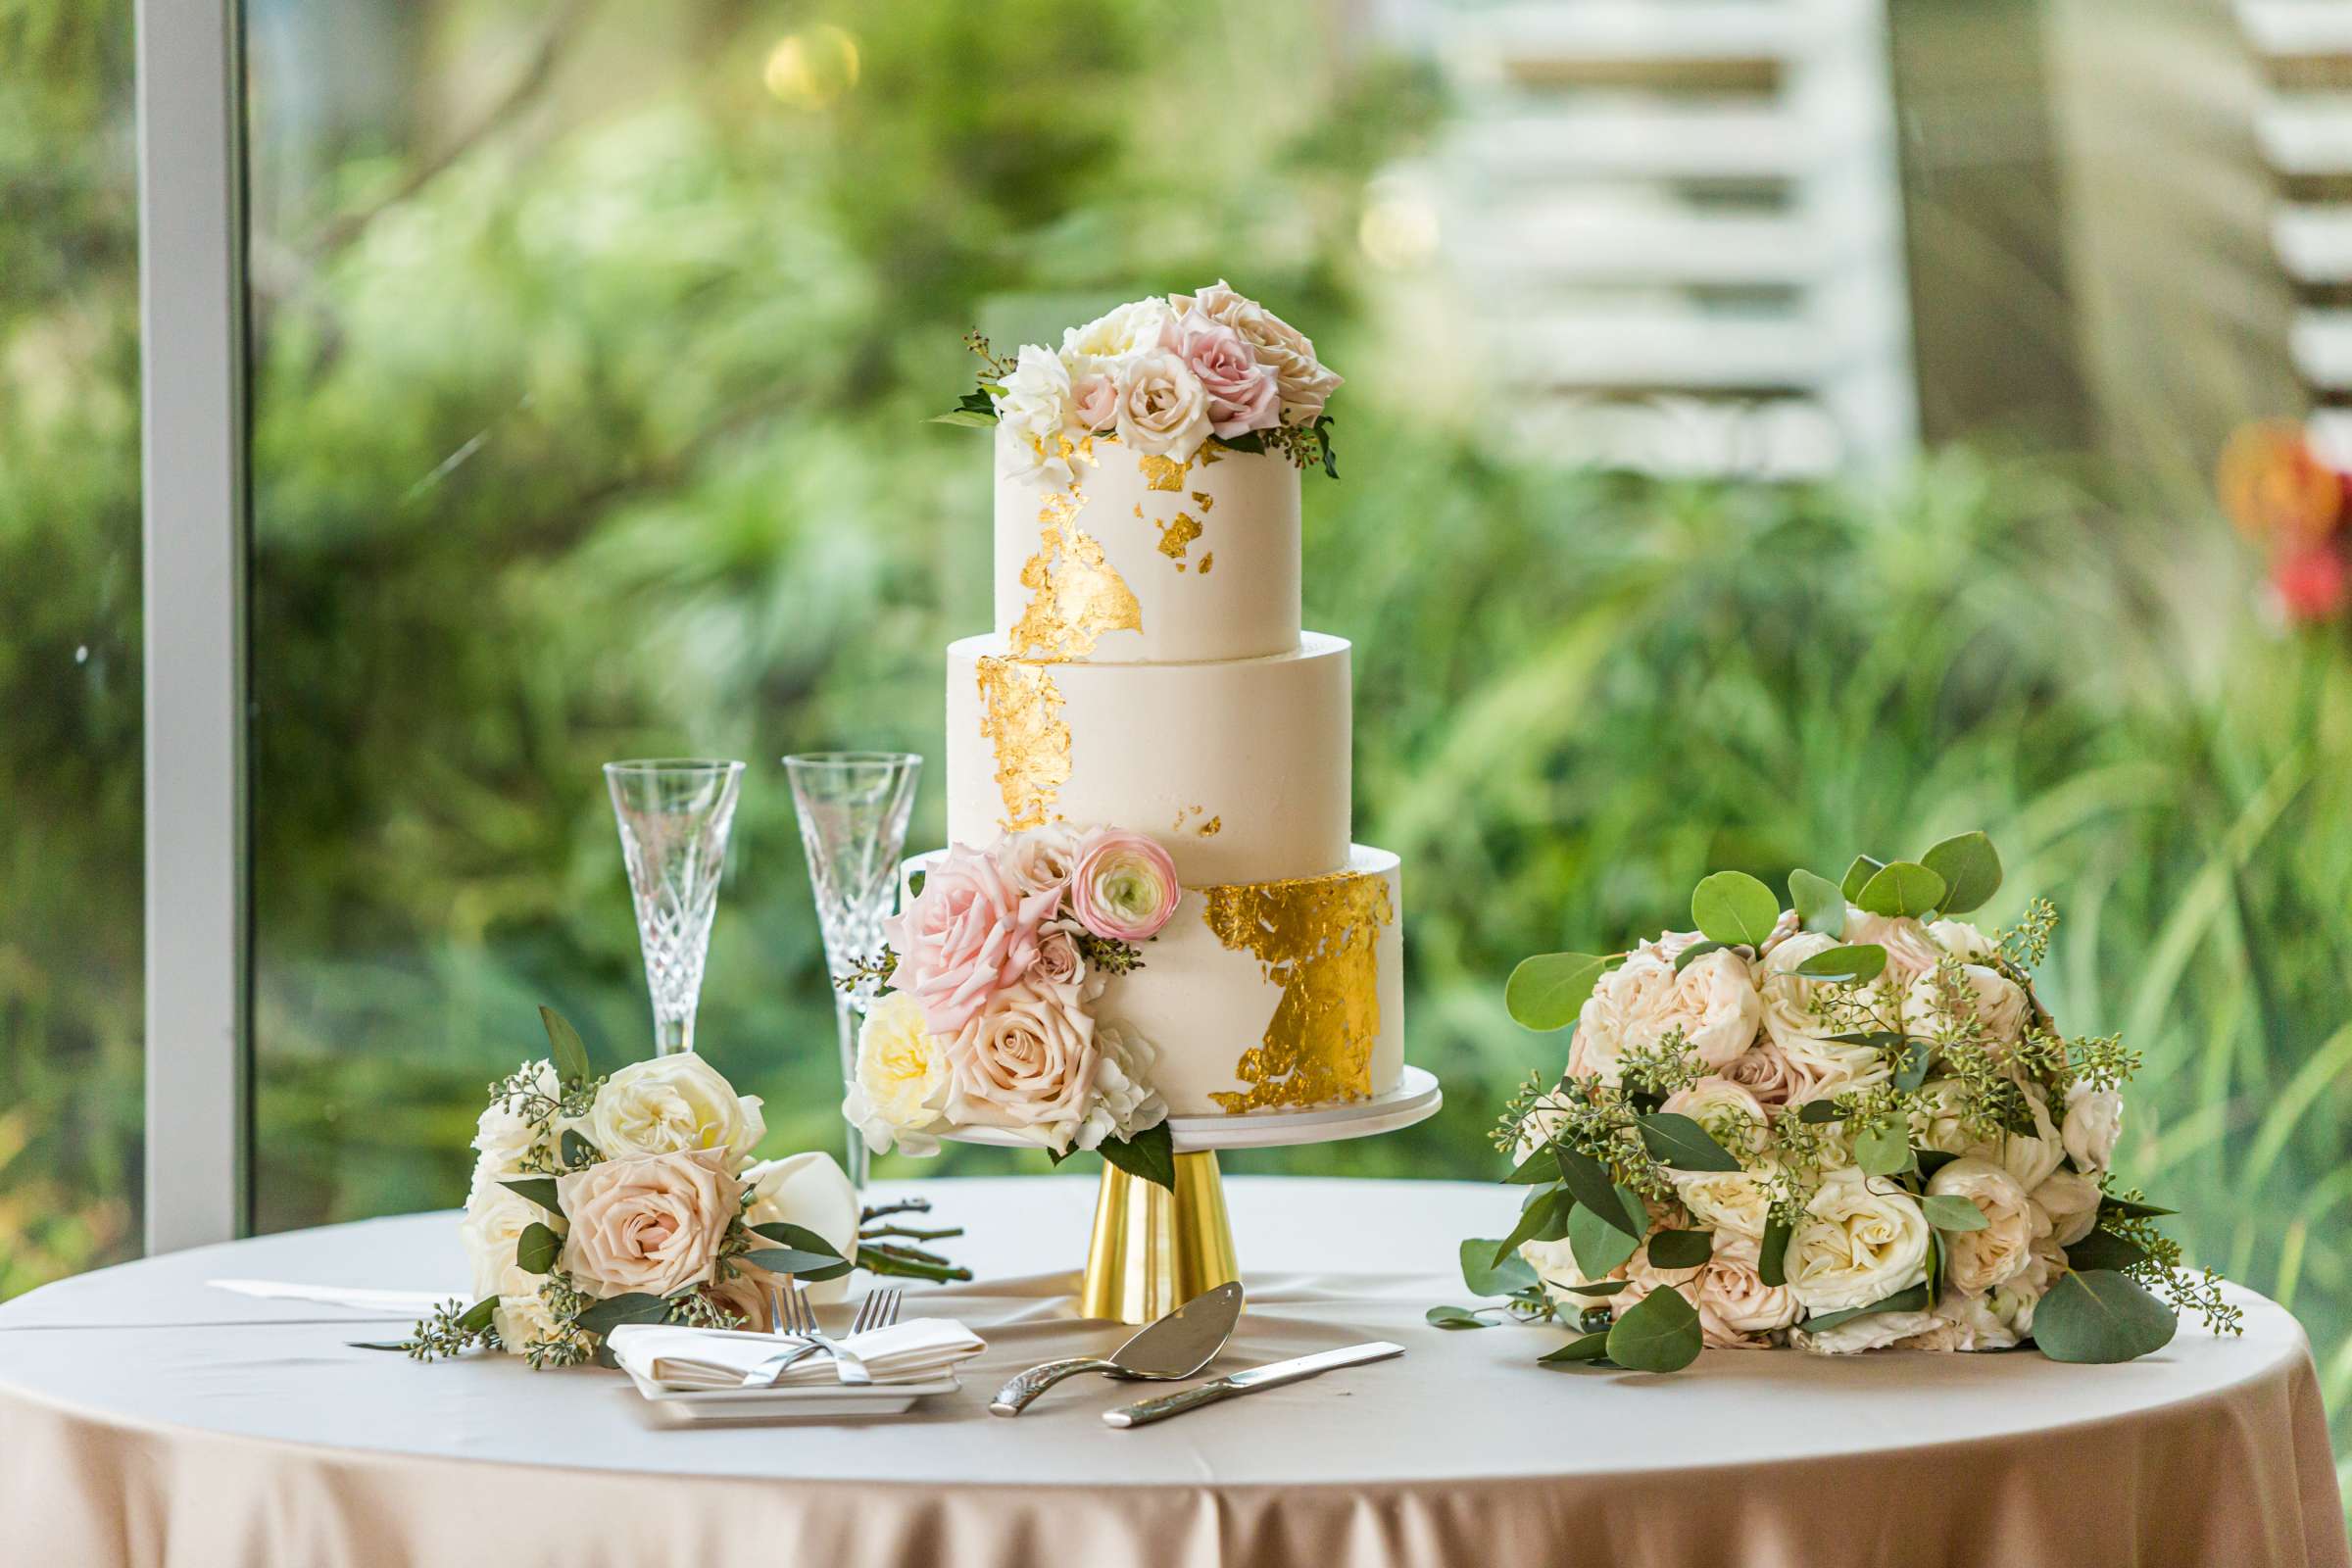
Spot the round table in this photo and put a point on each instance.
(149, 1417)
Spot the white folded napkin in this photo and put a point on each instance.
(718, 1358)
(407, 1304)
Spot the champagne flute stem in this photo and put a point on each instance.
(845, 1017)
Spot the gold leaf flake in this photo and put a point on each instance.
(1020, 715)
(1161, 471)
(1076, 595)
(1177, 535)
(1210, 828)
(1204, 501)
(1318, 939)
(1207, 559)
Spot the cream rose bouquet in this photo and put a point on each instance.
(1845, 1126)
(1163, 376)
(997, 972)
(635, 1198)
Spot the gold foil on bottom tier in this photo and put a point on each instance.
(1317, 938)
(1155, 1249)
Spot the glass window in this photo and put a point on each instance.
(70, 889)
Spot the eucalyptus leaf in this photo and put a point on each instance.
(1545, 991)
(1771, 1257)
(1591, 1348)
(1661, 1333)
(1681, 1249)
(579, 1153)
(1454, 1318)
(786, 1234)
(1597, 1288)
(1914, 1070)
(1948, 1211)
(1535, 1170)
(1819, 902)
(540, 1190)
(1818, 1112)
(1918, 1299)
(569, 1056)
(809, 1268)
(1149, 1155)
(2131, 1209)
(1971, 868)
(1902, 887)
(635, 1307)
(1693, 953)
(1862, 961)
(476, 1317)
(2099, 1315)
(1485, 1277)
(970, 418)
(1589, 1181)
(1545, 1218)
(2104, 1248)
(1599, 1248)
(1883, 1151)
(1676, 1141)
(537, 1248)
(1857, 874)
(1734, 908)
(1931, 1161)
(914, 883)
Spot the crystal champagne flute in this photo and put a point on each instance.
(674, 814)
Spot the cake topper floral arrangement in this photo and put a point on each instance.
(634, 1199)
(996, 968)
(1847, 1125)
(1163, 376)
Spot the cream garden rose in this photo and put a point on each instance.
(1125, 1102)
(1305, 384)
(670, 1103)
(1121, 334)
(1863, 1239)
(1933, 1010)
(1731, 1112)
(1737, 1201)
(901, 1090)
(1163, 407)
(651, 1222)
(2094, 1120)
(1978, 1260)
(1025, 1062)
(1713, 1002)
(501, 1137)
(2070, 1202)
(811, 1190)
(1787, 1000)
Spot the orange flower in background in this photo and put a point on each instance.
(2276, 489)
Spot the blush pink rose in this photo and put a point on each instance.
(1093, 395)
(1125, 888)
(969, 932)
(1243, 394)
(1025, 1062)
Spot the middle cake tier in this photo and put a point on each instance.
(1240, 766)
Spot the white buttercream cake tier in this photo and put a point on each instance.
(1240, 768)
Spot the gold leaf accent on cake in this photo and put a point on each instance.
(1176, 536)
(1161, 471)
(1204, 501)
(1210, 828)
(1020, 715)
(1076, 595)
(1318, 939)
(1208, 558)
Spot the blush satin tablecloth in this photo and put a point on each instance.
(146, 1418)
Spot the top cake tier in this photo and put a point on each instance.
(1147, 560)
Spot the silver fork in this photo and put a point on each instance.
(796, 1318)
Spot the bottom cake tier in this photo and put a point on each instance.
(1273, 996)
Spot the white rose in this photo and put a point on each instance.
(1713, 1002)
(1730, 1113)
(2070, 1202)
(811, 1190)
(503, 1135)
(1736, 1309)
(2014, 1300)
(1910, 950)
(1990, 996)
(1977, 1261)
(1306, 384)
(495, 1219)
(1720, 1200)
(1857, 1245)
(1132, 328)
(672, 1103)
(1125, 1100)
(1963, 940)
(521, 1318)
(1556, 1267)
(1033, 414)
(1766, 1072)
(1786, 1005)
(900, 1088)
(1874, 1331)
(1964, 1322)
(2031, 1156)
(1162, 406)
(2095, 1119)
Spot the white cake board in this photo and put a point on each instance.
(1416, 1097)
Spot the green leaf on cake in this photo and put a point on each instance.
(537, 1248)
(1861, 962)
(1676, 1141)
(1593, 1347)
(1485, 1276)
(540, 1190)
(2103, 1248)
(914, 883)
(1598, 1246)
(1454, 1318)
(1819, 903)
(2099, 1315)
(1546, 991)
(1661, 1333)
(1971, 868)
(1902, 887)
(1149, 1155)
(1681, 1249)
(1948, 1211)
(1693, 953)
(1734, 908)
(1589, 1179)
(569, 1055)
(1857, 874)
(1772, 1259)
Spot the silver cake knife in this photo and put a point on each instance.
(1271, 1375)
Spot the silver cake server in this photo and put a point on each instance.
(1176, 1345)
(1272, 1375)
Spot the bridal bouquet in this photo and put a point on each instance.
(1846, 1125)
(634, 1199)
(1162, 376)
(996, 968)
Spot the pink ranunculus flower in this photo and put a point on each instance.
(969, 932)
(1126, 886)
(1243, 394)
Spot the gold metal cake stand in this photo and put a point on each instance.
(1153, 1250)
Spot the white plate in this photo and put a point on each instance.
(813, 1401)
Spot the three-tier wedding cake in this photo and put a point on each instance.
(1148, 765)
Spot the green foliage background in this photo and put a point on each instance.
(588, 424)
